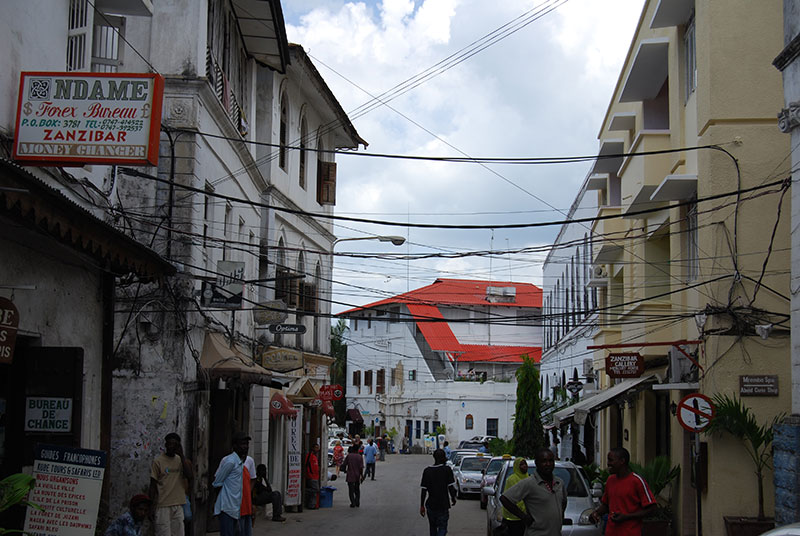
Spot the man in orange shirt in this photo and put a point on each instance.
(627, 497)
(312, 478)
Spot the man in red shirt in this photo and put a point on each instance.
(312, 478)
(627, 497)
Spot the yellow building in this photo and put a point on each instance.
(697, 99)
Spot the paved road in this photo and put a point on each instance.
(390, 505)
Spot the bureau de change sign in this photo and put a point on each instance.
(88, 118)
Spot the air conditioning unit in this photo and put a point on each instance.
(588, 367)
(600, 270)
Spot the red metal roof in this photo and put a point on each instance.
(462, 292)
(442, 339)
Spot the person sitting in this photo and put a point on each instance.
(130, 523)
(263, 494)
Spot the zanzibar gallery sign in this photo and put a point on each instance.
(624, 365)
(73, 119)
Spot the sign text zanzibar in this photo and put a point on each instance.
(624, 365)
(79, 118)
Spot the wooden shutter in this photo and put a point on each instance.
(326, 183)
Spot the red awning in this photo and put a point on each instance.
(354, 415)
(327, 408)
(278, 405)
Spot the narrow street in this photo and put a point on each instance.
(390, 505)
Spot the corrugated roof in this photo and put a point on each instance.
(440, 338)
(462, 292)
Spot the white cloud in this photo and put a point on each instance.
(540, 92)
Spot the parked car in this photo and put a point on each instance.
(470, 445)
(456, 455)
(483, 438)
(580, 501)
(494, 467)
(469, 474)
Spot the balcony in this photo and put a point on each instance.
(648, 71)
(608, 235)
(641, 175)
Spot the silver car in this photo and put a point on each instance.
(580, 502)
(469, 474)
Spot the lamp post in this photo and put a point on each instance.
(395, 240)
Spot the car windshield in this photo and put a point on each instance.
(494, 467)
(473, 464)
(568, 475)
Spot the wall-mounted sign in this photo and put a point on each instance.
(46, 414)
(88, 118)
(624, 365)
(751, 385)
(271, 312)
(295, 463)
(227, 291)
(9, 322)
(68, 485)
(331, 392)
(281, 359)
(287, 328)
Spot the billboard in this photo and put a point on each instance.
(75, 119)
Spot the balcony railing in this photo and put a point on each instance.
(225, 93)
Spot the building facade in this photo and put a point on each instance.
(444, 354)
(692, 242)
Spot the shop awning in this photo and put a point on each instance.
(279, 405)
(355, 415)
(327, 408)
(603, 399)
(222, 361)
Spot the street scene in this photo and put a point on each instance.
(519, 268)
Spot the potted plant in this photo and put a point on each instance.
(734, 418)
(659, 475)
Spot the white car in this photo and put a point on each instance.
(469, 474)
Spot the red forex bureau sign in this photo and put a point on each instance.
(88, 118)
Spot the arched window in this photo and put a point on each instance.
(574, 374)
(563, 379)
(303, 141)
(469, 422)
(284, 131)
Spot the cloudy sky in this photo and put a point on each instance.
(540, 91)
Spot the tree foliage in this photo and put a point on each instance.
(528, 429)
(339, 368)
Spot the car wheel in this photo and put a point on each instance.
(484, 501)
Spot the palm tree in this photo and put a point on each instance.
(736, 419)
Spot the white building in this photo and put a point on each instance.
(248, 127)
(444, 354)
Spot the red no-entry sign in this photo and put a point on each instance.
(695, 412)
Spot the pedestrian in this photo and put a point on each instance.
(370, 452)
(544, 495)
(263, 494)
(437, 483)
(516, 527)
(484, 447)
(383, 444)
(234, 506)
(354, 475)
(627, 497)
(312, 478)
(130, 523)
(338, 455)
(446, 449)
(169, 474)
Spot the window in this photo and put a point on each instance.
(326, 179)
(491, 427)
(368, 381)
(303, 141)
(419, 430)
(435, 426)
(380, 382)
(690, 58)
(284, 132)
(369, 321)
(226, 226)
(357, 378)
(100, 51)
(393, 379)
(226, 63)
(426, 425)
(692, 247)
(355, 324)
(469, 422)
(412, 375)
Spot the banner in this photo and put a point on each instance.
(294, 491)
(68, 485)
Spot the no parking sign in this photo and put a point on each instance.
(695, 412)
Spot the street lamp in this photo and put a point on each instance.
(396, 240)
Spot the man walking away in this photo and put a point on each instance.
(354, 468)
(627, 497)
(312, 478)
(167, 491)
(233, 505)
(263, 494)
(369, 457)
(437, 483)
(384, 446)
(130, 523)
(544, 495)
(446, 449)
